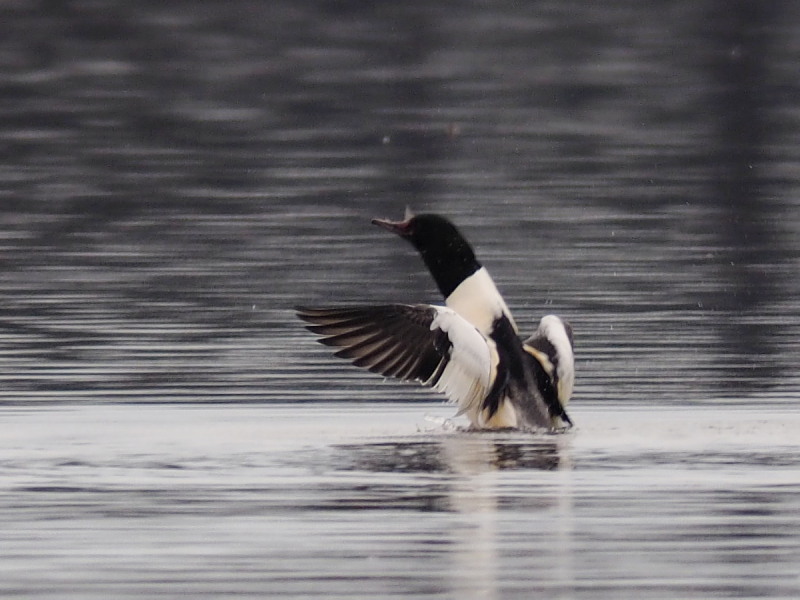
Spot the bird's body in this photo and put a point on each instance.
(470, 349)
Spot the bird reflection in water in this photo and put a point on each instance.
(476, 477)
(475, 452)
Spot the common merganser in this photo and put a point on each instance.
(468, 349)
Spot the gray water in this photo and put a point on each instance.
(175, 177)
(372, 500)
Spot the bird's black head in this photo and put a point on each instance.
(446, 253)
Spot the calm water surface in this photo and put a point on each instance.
(371, 500)
(175, 177)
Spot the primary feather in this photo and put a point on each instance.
(432, 345)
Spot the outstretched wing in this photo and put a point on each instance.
(430, 344)
(552, 347)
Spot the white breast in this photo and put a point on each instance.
(477, 300)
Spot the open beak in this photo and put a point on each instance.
(401, 228)
(398, 227)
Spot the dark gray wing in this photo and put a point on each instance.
(425, 343)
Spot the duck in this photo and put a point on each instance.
(469, 349)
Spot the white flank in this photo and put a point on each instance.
(472, 366)
(552, 328)
(504, 418)
(478, 301)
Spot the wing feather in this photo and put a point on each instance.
(433, 345)
(552, 346)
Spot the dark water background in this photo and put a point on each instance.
(175, 176)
